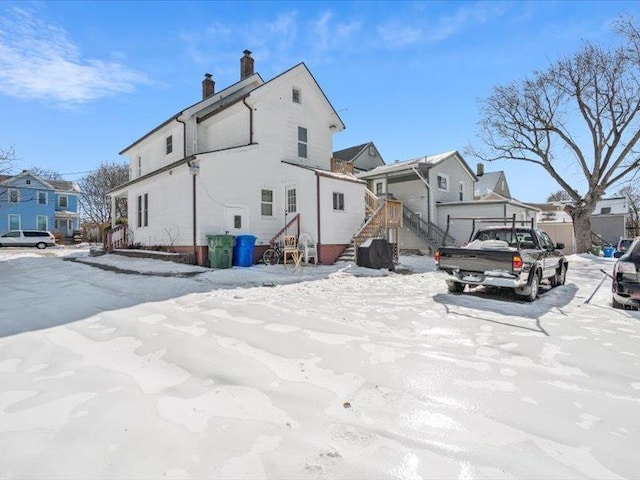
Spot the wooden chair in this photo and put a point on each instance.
(290, 249)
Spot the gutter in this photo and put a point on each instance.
(429, 192)
(244, 100)
(184, 137)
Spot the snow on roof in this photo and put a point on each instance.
(429, 160)
(486, 183)
(612, 206)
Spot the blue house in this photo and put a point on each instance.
(29, 202)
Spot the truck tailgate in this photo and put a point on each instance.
(471, 260)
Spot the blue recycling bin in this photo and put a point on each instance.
(608, 251)
(243, 250)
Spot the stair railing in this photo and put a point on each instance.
(431, 233)
(292, 227)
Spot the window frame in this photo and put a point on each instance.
(46, 197)
(168, 144)
(296, 95)
(142, 210)
(19, 218)
(266, 203)
(139, 166)
(461, 191)
(303, 144)
(10, 192)
(46, 222)
(66, 201)
(445, 177)
(379, 187)
(338, 202)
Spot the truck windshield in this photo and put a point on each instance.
(506, 235)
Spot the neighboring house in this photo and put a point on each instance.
(254, 158)
(364, 157)
(608, 221)
(435, 187)
(29, 202)
(490, 182)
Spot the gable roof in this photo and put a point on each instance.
(348, 154)
(487, 183)
(408, 165)
(58, 185)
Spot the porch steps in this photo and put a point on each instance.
(349, 254)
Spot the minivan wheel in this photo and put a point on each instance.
(41, 245)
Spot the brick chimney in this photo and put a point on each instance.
(208, 86)
(479, 170)
(246, 65)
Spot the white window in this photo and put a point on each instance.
(169, 144)
(443, 182)
(379, 188)
(143, 210)
(372, 151)
(266, 203)
(43, 198)
(295, 95)
(14, 221)
(338, 201)
(461, 191)
(14, 195)
(302, 142)
(139, 162)
(292, 200)
(63, 201)
(42, 221)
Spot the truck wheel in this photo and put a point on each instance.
(455, 287)
(535, 283)
(616, 304)
(560, 277)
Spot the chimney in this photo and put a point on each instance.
(208, 86)
(479, 170)
(246, 65)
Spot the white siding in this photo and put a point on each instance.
(338, 227)
(229, 128)
(153, 150)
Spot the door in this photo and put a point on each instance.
(236, 219)
(290, 202)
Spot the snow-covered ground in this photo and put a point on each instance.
(329, 372)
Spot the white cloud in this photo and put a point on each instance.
(39, 61)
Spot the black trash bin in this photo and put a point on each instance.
(375, 253)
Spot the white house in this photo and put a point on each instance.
(364, 157)
(249, 159)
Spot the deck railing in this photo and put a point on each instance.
(387, 216)
(340, 166)
(292, 227)
(115, 238)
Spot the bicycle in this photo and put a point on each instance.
(271, 255)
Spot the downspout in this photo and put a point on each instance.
(318, 247)
(244, 100)
(426, 182)
(193, 188)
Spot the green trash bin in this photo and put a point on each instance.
(220, 250)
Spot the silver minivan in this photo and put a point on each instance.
(28, 238)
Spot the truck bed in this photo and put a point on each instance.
(476, 260)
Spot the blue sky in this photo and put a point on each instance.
(79, 81)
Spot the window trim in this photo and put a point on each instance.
(338, 202)
(304, 142)
(168, 144)
(10, 191)
(46, 222)
(139, 166)
(461, 191)
(295, 91)
(19, 217)
(142, 209)
(46, 197)
(264, 203)
(66, 197)
(446, 179)
(379, 183)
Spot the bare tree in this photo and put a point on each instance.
(581, 109)
(95, 202)
(7, 157)
(559, 196)
(46, 173)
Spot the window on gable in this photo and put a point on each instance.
(302, 142)
(461, 191)
(42, 198)
(443, 182)
(28, 181)
(295, 95)
(372, 151)
(266, 203)
(14, 222)
(169, 144)
(14, 195)
(63, 201)
(338, 201)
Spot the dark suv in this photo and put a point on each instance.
(626, 278)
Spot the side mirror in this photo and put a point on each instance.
(559, 246)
